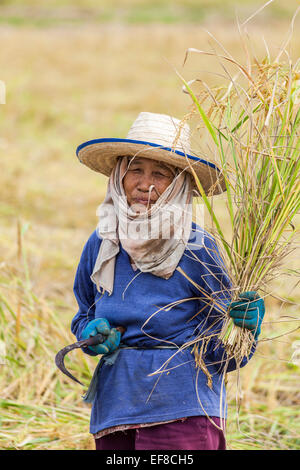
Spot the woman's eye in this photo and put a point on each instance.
(156, 174)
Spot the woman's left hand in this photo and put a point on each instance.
(248, 312)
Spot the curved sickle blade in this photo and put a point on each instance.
(92, 341)
(60, 356)
(59, 361)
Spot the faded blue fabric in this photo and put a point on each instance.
(126, 392)
(108, 359)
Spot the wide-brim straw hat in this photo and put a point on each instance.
(158, 137)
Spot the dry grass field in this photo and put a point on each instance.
(74, 73)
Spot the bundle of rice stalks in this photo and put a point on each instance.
(251, 125)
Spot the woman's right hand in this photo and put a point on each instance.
(101, 325)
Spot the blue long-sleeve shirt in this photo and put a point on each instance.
(158, 312)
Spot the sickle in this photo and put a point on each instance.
(91, 341)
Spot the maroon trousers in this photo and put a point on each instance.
(194, 433)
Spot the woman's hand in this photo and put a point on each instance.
(101, 325)
(248, 312)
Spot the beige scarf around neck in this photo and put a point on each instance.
(154, 240)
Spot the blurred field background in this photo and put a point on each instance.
(80, 70)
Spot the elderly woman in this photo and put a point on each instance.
(151, 270)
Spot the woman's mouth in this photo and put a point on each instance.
(145, 202)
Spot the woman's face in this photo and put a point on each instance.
(144, 181)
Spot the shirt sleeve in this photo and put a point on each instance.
(85, 290)
(214, 291)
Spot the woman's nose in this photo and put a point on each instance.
(145, 182)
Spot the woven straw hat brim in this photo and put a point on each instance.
(101, 155)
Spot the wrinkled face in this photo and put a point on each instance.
(144, 181)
